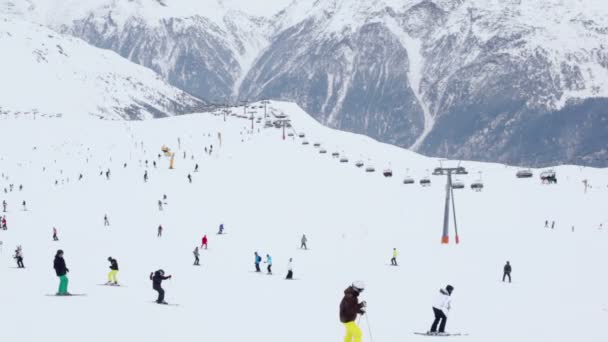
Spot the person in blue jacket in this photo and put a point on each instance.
(269, 262)
(258, 260)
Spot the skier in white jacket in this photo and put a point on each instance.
(441, 307)
(290, 269)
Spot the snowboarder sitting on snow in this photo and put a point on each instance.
(441, 307)
(113, 271)
(349, 308)
(507, 272)
(157, 278)
(61, 270)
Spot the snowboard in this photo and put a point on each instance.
(440, 335)
(70, 295)
(113, 285)
(167, 304)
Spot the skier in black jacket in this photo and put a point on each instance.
(157, 278)
(506, 272)
(113, 272)
(61, 270)
(349, 309)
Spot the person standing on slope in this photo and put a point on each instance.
(303, 242)
(258, 260)
(196, 255)
(204, 241)
(441, 307)
(157, 279)
(4, 205)
(61, 270)
(506, 272)
(221, 231)
(55, 236)
(19, 257)
(106, 222)
(160, 231)
(394, 259)
(349, 308)
(113, 271)
(290, 269)
(269, 262)
(160, 205)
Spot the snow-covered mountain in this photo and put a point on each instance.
(267, 192)
(518, 81)
(47, 73)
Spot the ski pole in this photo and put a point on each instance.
(369, 328)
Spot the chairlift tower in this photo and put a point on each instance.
(284, 123)
(449, 194)
(265, 103)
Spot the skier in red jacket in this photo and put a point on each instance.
(204, 242)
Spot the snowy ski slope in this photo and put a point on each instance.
(268, 192)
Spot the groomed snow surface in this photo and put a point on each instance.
(268, 192)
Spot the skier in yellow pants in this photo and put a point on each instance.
(113, 272)
(353, 332)
(349, 308)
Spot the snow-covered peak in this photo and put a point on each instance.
(52, 74)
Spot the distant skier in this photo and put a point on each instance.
(154, 163)
(106, 222)
(546, 224)
(146, 176)
(394, 259)
(55, 234)
(349, 308)
(160, 231)
(290, 269)
(160, 205)
(113, 271)
(189, 178)
(61, 270)
(196, 168)
(20, 187)
(204, 241)
(303, 242)
(221, 230)
(157, 279)
(552, 224)
(506, 272)
(258, 260)
(24, 206)
(19, 257)
(108, 174)
(3, 223)
(4, 205)
(441, 307)
(196, 255)
(269, 262)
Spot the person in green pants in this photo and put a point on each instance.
(61, 270)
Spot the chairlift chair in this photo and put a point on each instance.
(526, 173)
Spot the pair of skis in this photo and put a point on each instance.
(440, 334)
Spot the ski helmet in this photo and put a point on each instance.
(359, 285)
(449, 288)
